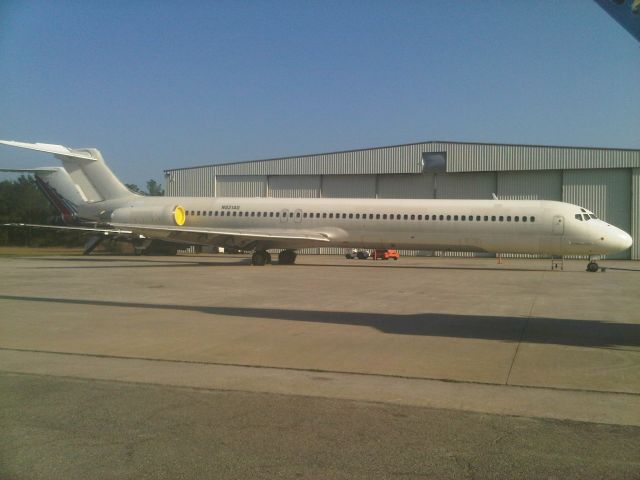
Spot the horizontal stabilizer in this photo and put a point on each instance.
(46, 147)
(30, 170)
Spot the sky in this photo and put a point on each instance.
(157, 85)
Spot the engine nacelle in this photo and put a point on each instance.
(150, 215)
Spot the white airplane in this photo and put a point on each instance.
(89, 196)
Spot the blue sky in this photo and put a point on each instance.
(162, 84)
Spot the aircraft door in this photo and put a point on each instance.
(558, 225)
(284, 215)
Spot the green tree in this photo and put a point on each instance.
(134, 188)
(154, 189)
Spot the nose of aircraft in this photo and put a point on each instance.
(619, 240)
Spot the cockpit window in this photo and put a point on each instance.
(593, 216)
(578, 217)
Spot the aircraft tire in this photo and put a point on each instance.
(592, 267)
(287, 257)
(259, 258)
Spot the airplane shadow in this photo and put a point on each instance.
(133, 262)
(569, 332)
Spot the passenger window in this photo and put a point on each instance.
(398, 216)
(441, 217)
(297, 214)
(434, 217)
(448, 217)
(493, 218)
(384, 216)
(324, 215)
(486, 218)
(235, 213)
(271, 214)
(290, 214)
(516, 219)
(391, 217)
(377, 216)
(344, 215)
(509, 218)
(186, 212)
(406, 217)
(524, 219)
(419, 217)
(463, 218)
(277, 214)
(331, 215)
(455, 217)
(351, 215)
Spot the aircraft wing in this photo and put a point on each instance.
(268, 238)
(106, 231)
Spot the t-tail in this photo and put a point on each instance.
(84, 179)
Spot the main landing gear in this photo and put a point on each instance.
(287, 257)
(262, 257)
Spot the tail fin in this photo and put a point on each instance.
(57, 186)
(86, 170)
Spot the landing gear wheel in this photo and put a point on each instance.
(592, 267)
(287, 257)
(260, 258)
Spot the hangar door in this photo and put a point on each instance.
(241, 186)
(405, 186)
(294, 186)
(531, 185)
(606, 192)
(349, 186)
(478, 185)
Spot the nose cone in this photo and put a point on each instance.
(619, 240)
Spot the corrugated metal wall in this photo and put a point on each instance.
(465, 185)
(349, 186)
(294, 186)
(606, 192)
(241, 186)
(190, 182)
(535, 185)
(405, 186)
(477, 157)
(635, 213)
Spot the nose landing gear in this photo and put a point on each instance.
(592, 266)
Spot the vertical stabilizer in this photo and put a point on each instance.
(86, 170)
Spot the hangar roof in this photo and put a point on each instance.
(408, 158)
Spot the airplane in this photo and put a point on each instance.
(90, 198)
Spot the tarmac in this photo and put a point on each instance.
(206, 367)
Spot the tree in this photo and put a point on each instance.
(154, 189)
(134, 188)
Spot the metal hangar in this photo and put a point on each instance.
(604, 180)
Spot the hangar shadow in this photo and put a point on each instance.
(558, 331)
